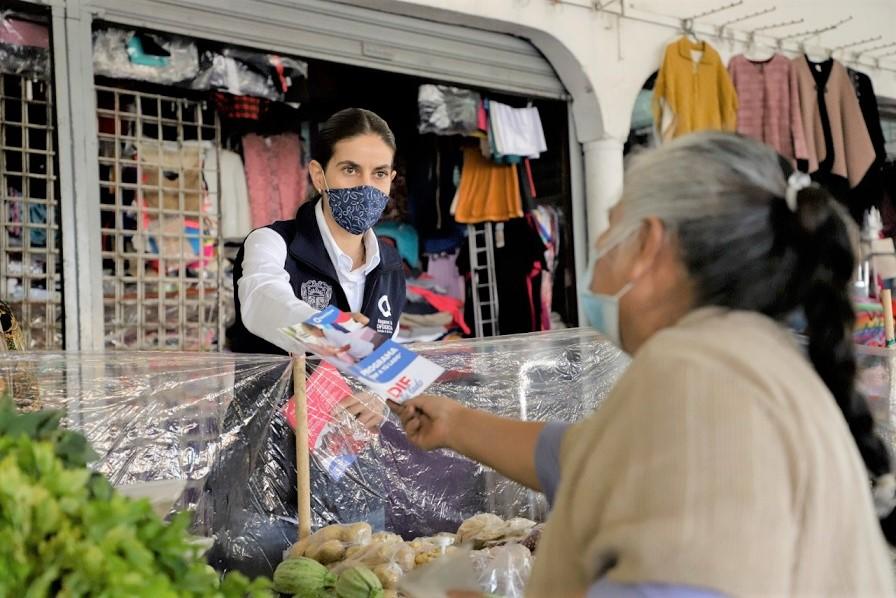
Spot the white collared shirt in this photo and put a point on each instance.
(352, 279)
(267, 300)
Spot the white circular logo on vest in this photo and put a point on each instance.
(384, 306)
(316, 293)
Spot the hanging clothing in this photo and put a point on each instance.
(233, 107)
(693, 94)
(233, 194)
(837, 138)
(278, 181)
(449, 243)
(870, 111)
(546, 221)
(519, 264)
(870, 191)
(769, 104)
(433, 176)
(488, 191)
(888, 203)
(517, 131)
(527, 185)
(519, 260)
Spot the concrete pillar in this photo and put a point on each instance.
(603, 182)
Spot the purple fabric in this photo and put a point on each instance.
(547, 458)
(608, 589)
(443, 270)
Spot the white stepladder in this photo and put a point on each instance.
(481, 239)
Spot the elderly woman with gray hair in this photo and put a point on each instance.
(724, 462)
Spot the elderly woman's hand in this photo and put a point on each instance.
(429, 420)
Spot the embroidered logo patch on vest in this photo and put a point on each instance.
(316, 293)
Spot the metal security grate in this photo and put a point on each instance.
(30, 244)
(162, 275)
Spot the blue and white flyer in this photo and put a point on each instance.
(389, 369)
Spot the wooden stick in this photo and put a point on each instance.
(886, 298)
(303, 466)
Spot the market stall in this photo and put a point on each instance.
(211, 435)
(208, 434)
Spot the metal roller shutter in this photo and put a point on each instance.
(353, 35)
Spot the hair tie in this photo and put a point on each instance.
(796, 183)
(884, 493)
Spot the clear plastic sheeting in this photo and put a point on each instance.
(216, 423)
(208, 433)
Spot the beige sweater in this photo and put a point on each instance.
(853, 150)
(721, 461)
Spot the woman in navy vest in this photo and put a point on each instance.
(328, 254)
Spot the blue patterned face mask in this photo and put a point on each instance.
(356, 209)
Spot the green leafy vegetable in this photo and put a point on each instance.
(66, 532)
(72, 448)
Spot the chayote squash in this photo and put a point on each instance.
(358, 582)
(303, 577)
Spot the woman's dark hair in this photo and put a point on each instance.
(746, 247)
(346, 124)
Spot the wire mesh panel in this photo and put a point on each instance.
(160, 224)
(30, 244)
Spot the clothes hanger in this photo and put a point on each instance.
(815, 54)
(757, 52)
(687, 29)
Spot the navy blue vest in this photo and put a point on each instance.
(314, 281)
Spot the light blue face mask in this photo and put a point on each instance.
(602, 311)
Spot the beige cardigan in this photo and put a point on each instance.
(719, 461)
(853, 150)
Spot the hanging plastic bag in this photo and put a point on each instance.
(447, 110)
(111, 57)
(282, 70)
(242, 73)
(24, 48)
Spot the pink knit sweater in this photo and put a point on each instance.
(769, 108)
